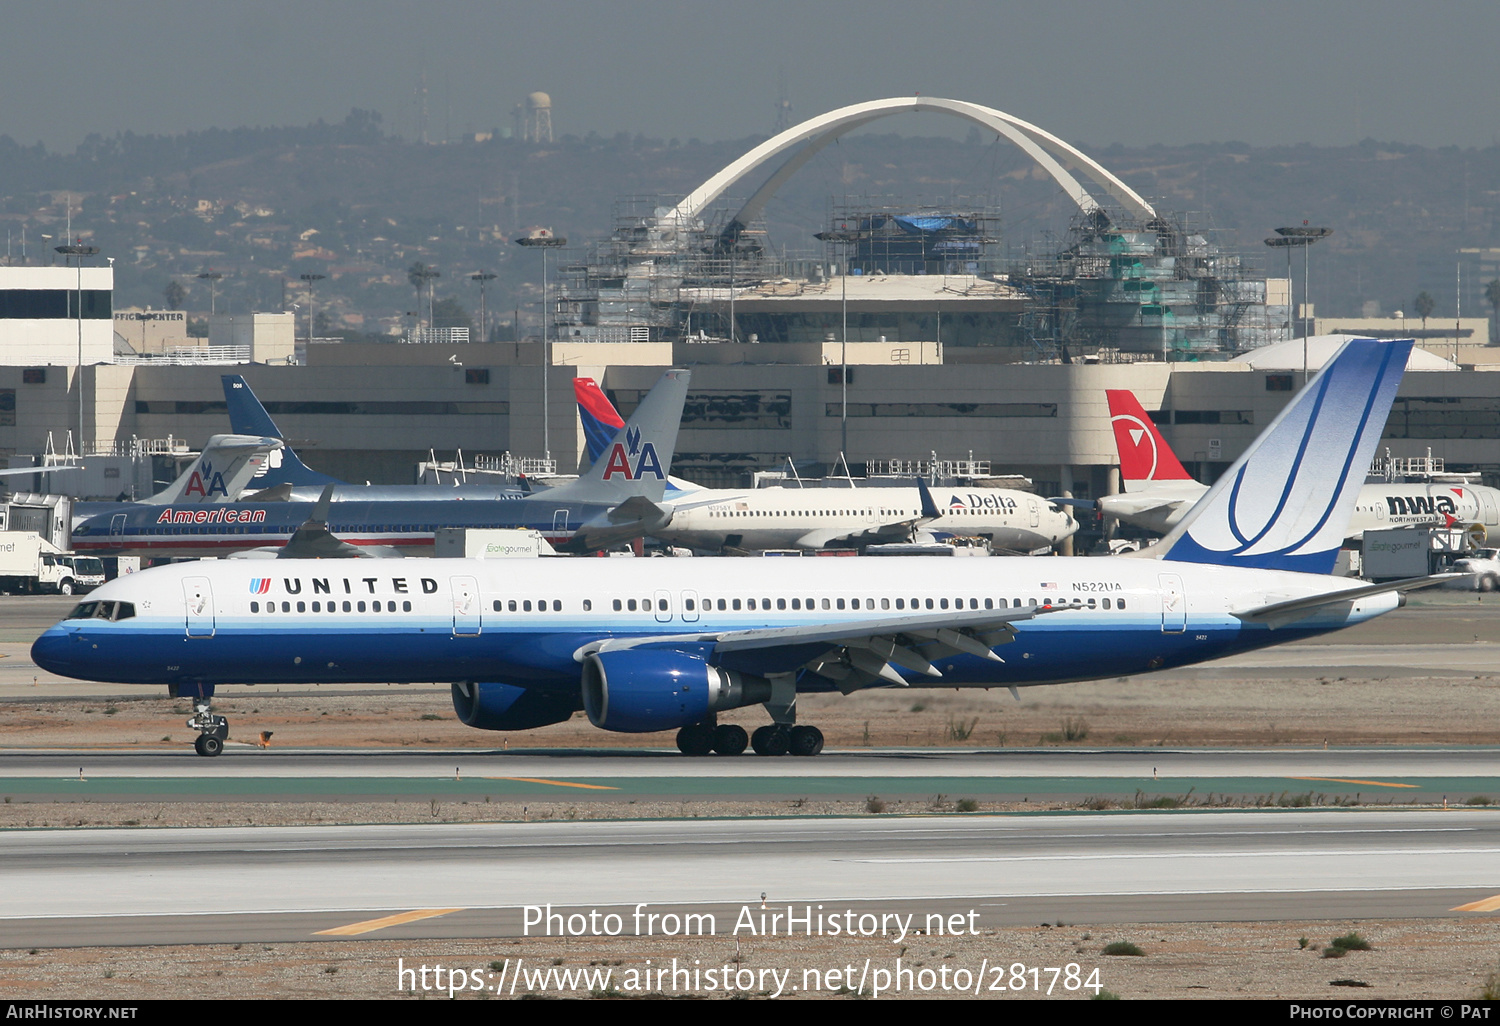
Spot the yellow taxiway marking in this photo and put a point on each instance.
(1371, 783)
(556, 783)
(1486, 905)
(371, 925)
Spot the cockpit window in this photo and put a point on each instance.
(102, 611)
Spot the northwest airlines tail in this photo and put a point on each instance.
(1285, 504)
(1145, 455)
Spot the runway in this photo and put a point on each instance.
(161, 886)
(1389, 775)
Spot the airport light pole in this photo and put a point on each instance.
(1299, 237)
(310, 278)
(543, 239)
(78, 252)
(425, 275)
(843, 236)
(213, 278)
(483, 277)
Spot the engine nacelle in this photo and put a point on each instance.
(641, 690)
(507, 707)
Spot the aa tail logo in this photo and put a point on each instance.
(205, 482)
(647, 463)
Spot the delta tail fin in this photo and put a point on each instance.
(1285, 504)
(220, 473)
(1145, 456)
(601, 421)
(248, 417)
(639, 456)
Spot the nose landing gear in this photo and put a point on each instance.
(213, 731)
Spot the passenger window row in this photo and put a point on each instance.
(359, 606)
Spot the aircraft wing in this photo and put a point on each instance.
(313, 540)
(853, 654)
(39, 470)
(1279, 614)
(896, 530)
(634, 518)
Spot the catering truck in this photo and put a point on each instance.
(30, 563)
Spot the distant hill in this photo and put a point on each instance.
(346, 200)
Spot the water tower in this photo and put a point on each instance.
(538, 117)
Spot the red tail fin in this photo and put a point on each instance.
(1144, 453)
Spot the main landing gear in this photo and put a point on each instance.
(779, 739)
(703, 738)
(730, 739)
(213, 731)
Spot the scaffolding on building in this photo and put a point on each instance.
(1160, 287)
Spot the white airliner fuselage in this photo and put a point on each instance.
(814, 518)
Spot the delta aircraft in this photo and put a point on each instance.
(615, 501)
(667, 644)
(1159, 491)
(814, 518)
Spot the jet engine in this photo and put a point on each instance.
(507, 707)
(641, 690)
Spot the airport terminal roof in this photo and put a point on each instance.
(1288, 355)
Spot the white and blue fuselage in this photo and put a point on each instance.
(524, 622)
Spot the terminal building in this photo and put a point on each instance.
(910, 339)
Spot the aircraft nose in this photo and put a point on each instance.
(52, 652)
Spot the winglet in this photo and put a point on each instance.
(1285, 504)
(930, 511)
(1145, 455)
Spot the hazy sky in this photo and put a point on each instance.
(1095, 72)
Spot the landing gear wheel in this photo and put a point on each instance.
(695, 739)
(1489, 582)
(208, 745)
(770, 740)
(730, 739)
(806, 741)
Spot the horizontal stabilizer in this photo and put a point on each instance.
(1278, 614)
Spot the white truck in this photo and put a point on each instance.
(30, 563)
(1484, 564)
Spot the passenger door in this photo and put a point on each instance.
(200, 607)
(1173, 605)
(465, 606)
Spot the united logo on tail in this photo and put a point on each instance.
(1285, 504)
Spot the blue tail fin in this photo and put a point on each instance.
(1285, 504)
(248, 417)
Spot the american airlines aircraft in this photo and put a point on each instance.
(1159, 491)
(220, 474)
(617, 500)
(814, 518)
(667, 644)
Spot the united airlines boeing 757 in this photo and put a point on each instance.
(667, 644)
